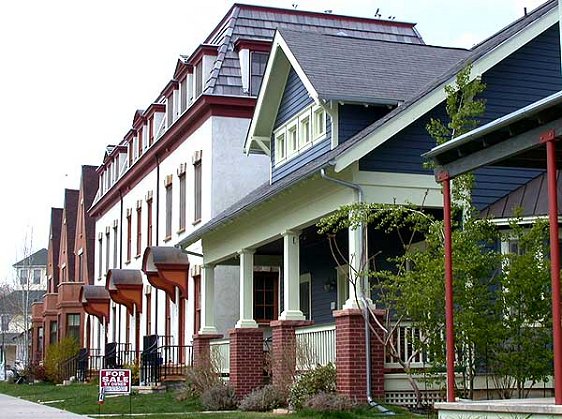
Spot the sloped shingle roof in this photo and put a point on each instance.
(267, 190)
(260, 23)
(367, 70)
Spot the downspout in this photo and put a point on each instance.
(118, 337)
(157, 238)
(360, 199)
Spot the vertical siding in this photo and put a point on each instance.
(529, 74)
(354, 118)
(294, 100)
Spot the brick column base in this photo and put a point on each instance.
(284, 351)
(246, 359)
(351, 357)
(202, 349)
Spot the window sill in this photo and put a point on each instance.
(181, 230)
(127, 261)
(196, 222)
(167, 239)
(138, 256)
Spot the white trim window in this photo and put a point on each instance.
(304, 130)
(292, 138)
(300, 133)
(280, 146)
(319, 122)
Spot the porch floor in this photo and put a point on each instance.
(514, 408)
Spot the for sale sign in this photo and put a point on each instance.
(115, 381)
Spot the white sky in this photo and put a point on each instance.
(72, 73)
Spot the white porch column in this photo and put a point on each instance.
(246, 289)
(208, 300)
(291, 277)
(354, 256)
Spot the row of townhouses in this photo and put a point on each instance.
(196, 233)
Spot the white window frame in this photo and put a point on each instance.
(317, 134)
(292, 128)
(302, 119)
(280, 135)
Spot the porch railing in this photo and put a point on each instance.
(174, 360)
(404, 342)
(316, 345)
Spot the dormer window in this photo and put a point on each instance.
(300, 133)
(170, 110)
(280, 152)
(258, 62)
(304, 130)
(183, 95)
(198, 79)
(319, 115)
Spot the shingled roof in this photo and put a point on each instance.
(366, 70)
(267, 190)
(259, 23)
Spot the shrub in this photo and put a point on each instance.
(219, 397)
(36, 372)
(320, 379)
(135, 373)
(328, 402)
(199, 379)
(57, 354)
(263, 399)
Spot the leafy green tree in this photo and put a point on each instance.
(522, 352)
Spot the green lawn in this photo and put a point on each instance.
(82, 399)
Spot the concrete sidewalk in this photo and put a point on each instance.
(12, 407)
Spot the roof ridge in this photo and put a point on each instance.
(547, 4)
(358, 38)
(222, 50)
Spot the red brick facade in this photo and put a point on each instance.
(351, 359)
(246, 359)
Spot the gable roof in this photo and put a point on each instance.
(39, 258)
(501, 44)
(366, 70)
(482, 57)
(345, 69)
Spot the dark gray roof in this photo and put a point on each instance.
(267, 190)
(260, 23)
(367, 70)
(39, 258)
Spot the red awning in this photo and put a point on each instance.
(166, 268)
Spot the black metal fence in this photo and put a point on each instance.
(157, 362)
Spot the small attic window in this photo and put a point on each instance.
(258, 62)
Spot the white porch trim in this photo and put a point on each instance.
(246, 289)
(291, 277)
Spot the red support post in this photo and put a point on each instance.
(449, 326)
(554, 264)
